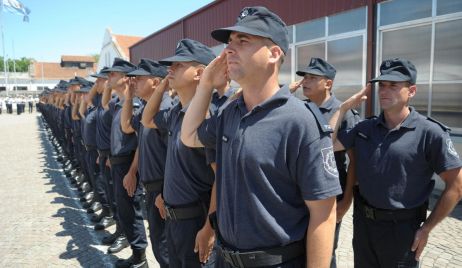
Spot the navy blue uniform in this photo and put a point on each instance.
(123, 148)
(152, 151)
(269, 161)
(188, 183)
(399, 165)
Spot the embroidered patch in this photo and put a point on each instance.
(388, 64)
(244, 13)
(451, 148)
(328, 159)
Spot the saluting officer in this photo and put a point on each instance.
(397, 154)
(317, 82)
(188, 177)
(123, 147)
(152, 149)
(276, 178)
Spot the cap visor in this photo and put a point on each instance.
(168, 61)
(99, 75)
(390, 77)
(310, 71)
(138, 72)
(222, 35)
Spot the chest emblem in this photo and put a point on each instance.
(451, 148)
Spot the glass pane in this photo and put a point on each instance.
(342, 92)
(285, 71)
(400, 11)
(346, 55)
(290, 32)
(310, 30)
(305, 53)
(448, 51)
(348, 21)
(413, 44)
(448, 6)
(446, 104)
(420, 100)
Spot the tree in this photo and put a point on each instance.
(22, 64)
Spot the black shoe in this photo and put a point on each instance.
(87, 205)
(84, 188)
(87, 197)
(120, 243)
(104, 223)
(100, 217)
(131, 263)
(95, 207)
(110, 239)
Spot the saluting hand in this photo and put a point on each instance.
(356, 100)
(130, 91)
(163, 86)
(215, 74)
(295, 85)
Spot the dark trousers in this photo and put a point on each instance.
(157, 233)
(129, 208)
(97, 180)
(181, 238)
(384, 244)
(106, 179)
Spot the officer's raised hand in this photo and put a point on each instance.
(215, 74)
(356, 100)
(129, 92)
(295, 85)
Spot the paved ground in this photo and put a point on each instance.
(43, 224)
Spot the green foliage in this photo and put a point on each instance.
(22, 64)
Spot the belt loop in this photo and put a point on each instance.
(370, 213)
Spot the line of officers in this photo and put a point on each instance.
(253, 177)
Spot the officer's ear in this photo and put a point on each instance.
(329, 83)
(275, 54)
(156, 81)
(412, 90)
(199, 72)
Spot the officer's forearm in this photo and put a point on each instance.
(195, 115)
(134, 166)
(82, 108)
(152, 108)
(92, 93)
(320, 233)
(335, 122)
(126, 116)
(106, 98)
(451, 195)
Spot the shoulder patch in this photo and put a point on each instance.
(451, 149)
(443, 126)
(323, 125)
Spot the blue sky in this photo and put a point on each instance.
(65, 27)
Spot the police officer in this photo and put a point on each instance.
(123, 148)
(188, 178)
(318, 78)
(152, 150)
(397, 154)
(274, 154)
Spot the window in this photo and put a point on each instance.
(310, 30)
(432, 40)
(285, 76)
(348, 21)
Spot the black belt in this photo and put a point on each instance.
(104, 152)
(257, 258)
(121, 159)
(264, 258)
(378, 214)
(155, 186)
(185, 212)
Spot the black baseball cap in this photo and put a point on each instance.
(397, 70)
(121, 66)
(150, 68)
(257, 21)
(102, 73)
(78, 81)
(190, 50)
(319, 67)
(85, 89)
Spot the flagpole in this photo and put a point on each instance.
(3, 45)
(15, 87)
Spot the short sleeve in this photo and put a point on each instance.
(207, 132)
(316, 170)
(162, 119)
(441, 153)
(136, 119)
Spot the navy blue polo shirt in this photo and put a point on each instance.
(89, 130)
(351, 118)
(188, 178)
(103, 127)
(395, 167)
(76, 131)
(68, 116)
(152, 146)
(121, 143)
(269, 161)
